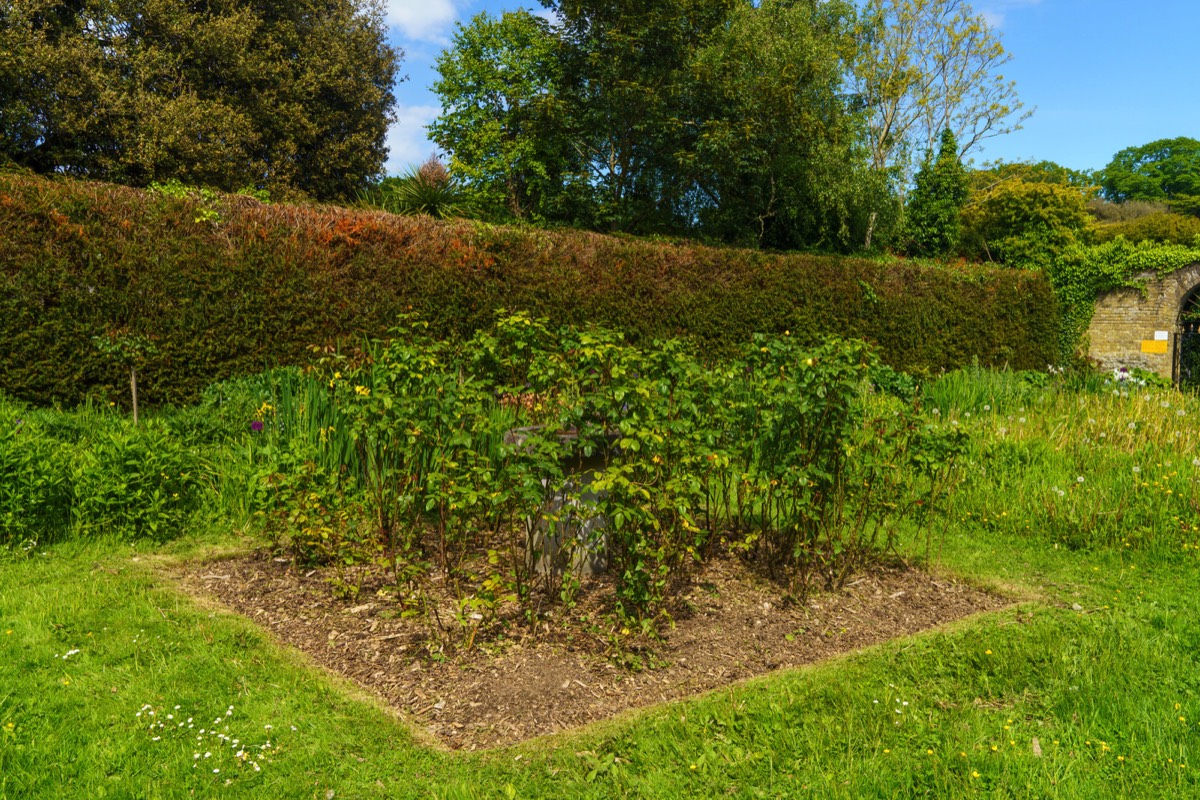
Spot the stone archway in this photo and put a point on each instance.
(1144, 329)
(1187, 342)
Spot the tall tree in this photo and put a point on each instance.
(504, 122)
(1167, 169)
(292, 96)
(626, 80)
(925, 66)
(777, 161)
(932, 221)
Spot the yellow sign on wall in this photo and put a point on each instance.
(1153, 346)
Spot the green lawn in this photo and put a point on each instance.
(1084, 504)
(1109, 693)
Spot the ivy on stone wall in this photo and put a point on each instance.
(1084, 271)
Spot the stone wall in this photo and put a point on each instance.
(1135, 329)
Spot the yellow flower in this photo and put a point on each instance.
(362, 390)
(928, 752)
(987, 652)
(975, 774)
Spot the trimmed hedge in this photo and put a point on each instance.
(253, 286)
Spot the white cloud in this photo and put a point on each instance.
(423, 20)
(408, 142)
(994, 19)
(995, 12)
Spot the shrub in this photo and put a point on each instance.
(258, 285)
(35, 496)
(1163, 227)
(782, 450)
(91, 473)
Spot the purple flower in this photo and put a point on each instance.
(256, 426)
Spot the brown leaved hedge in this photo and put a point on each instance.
(260, 284)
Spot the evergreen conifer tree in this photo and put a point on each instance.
(932, 221)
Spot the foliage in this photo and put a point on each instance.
(721, 119)
(627, 88)
(427, 189)
(93, 475)
(932, 221)
(926, 66)
(1163, 227)
(258, 289)
(758, 447)
(1023, 223)
(1166, 169)
(292, 97)
(777, 162)
(1033, 172)
(1105, 211)
(1081, 272)
(503, 119)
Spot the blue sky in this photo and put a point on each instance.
(1103, 74)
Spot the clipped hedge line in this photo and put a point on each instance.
(252, 286)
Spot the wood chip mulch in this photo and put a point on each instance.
(730, 626)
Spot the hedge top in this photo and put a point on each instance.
(226, 285)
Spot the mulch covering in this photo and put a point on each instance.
(729, 625)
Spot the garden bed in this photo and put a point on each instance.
(514, 683)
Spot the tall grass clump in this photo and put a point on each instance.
(1107, 462)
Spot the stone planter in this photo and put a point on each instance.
(570, 534)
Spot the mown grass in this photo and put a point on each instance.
(1098, 662)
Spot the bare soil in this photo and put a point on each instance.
(514, 683)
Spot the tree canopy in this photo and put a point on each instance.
(925, 66)
(1167, 169)
(293, 96)
(721, 119)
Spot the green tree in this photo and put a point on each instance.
(997, 172)
(1167, 169)
(1023, 222)
(626, 83)
(286, 96)
(925, 66)
(932, 221)
(778, 160)
(504, 123)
